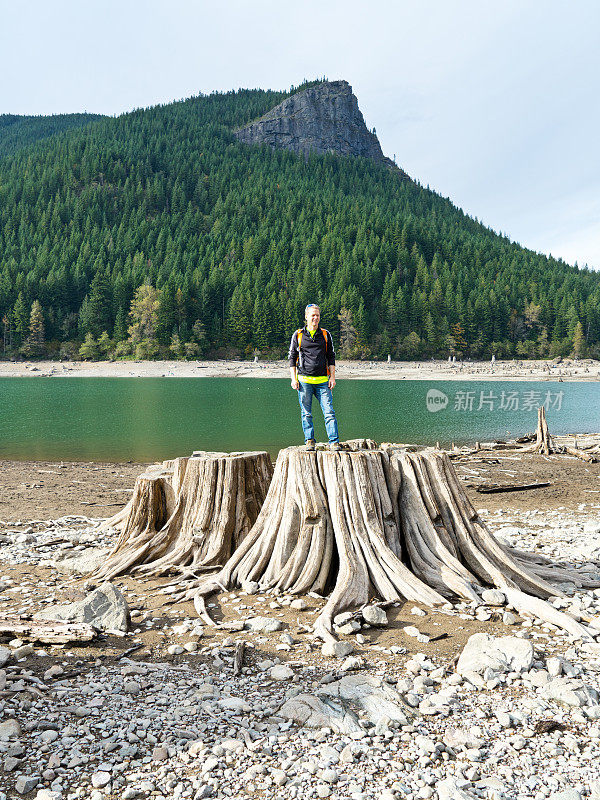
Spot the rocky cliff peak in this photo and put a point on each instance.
(323, 119)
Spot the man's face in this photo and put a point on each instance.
(313, 315)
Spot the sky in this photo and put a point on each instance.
(492, 104)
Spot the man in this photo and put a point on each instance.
(312, 370)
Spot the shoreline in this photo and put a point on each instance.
(540, 370)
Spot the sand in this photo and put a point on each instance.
(567, 370)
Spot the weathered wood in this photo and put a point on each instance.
(238, 657)
(381, 522)
(47, 632)
(494, 488)
(188, 514)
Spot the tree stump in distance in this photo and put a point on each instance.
(188, 514)
(381, 522)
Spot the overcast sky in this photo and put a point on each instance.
(494, 104)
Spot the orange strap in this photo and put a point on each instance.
(299, 334)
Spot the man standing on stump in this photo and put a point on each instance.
(312, 370)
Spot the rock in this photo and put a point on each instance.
(493, 597)
(105, 608)
(263, 624)
(329, 776)
(349, 628)
(501, 655)
(566, 794)
(160, 753)
(554, 666)
(235, 704)
(281, 673)
(85, 563)
(26, 784)
(508, 618)
(100, 779)
(352, 662)
(337, 649)
(299, 604)
(322, 119)
(570, 692)
(5, 655)
(175, 649)
(320, 712)
(372, 695)
(48, 794)
(9, 730)
(131, 687)
(374, 616)
(451, 789)
(279, 776)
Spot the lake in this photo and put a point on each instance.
(150, 419)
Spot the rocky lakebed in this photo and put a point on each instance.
(465, 701)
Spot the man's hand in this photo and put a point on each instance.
(331, 382)
(294, 378)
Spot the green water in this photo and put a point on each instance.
(146, 419)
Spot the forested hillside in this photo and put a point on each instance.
(17, 132)
(157, 233)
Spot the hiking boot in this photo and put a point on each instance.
(335, 446)
(310, 444)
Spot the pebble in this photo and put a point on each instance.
(193, 730)
(100, 779)
(337, 649)
(26, 784)
(281, 673)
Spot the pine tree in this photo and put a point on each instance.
(89, 350)
(578, 342)
(35, 345)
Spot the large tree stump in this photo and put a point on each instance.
(382, 522)
(188, 514)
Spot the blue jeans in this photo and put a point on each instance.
(323, 394)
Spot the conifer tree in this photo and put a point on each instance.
(35, 344)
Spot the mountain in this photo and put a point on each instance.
(17, 132)
(319, 119)
(159, 232)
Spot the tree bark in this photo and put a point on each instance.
(188, 514)
(377, 522)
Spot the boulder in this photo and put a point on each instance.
(502, 654)
(374, 616)
(337, 649)
(373, 696)
(5, 655)
(263, 624)
(9, 730)
(317, 712)
(105, 608)
(569, 692)
(493, 597)
(85, 563)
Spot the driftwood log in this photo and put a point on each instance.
(47, 631)
(188, 514)
(381, 522)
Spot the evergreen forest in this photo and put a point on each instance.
(157, 234)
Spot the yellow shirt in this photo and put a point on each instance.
(313, 378)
